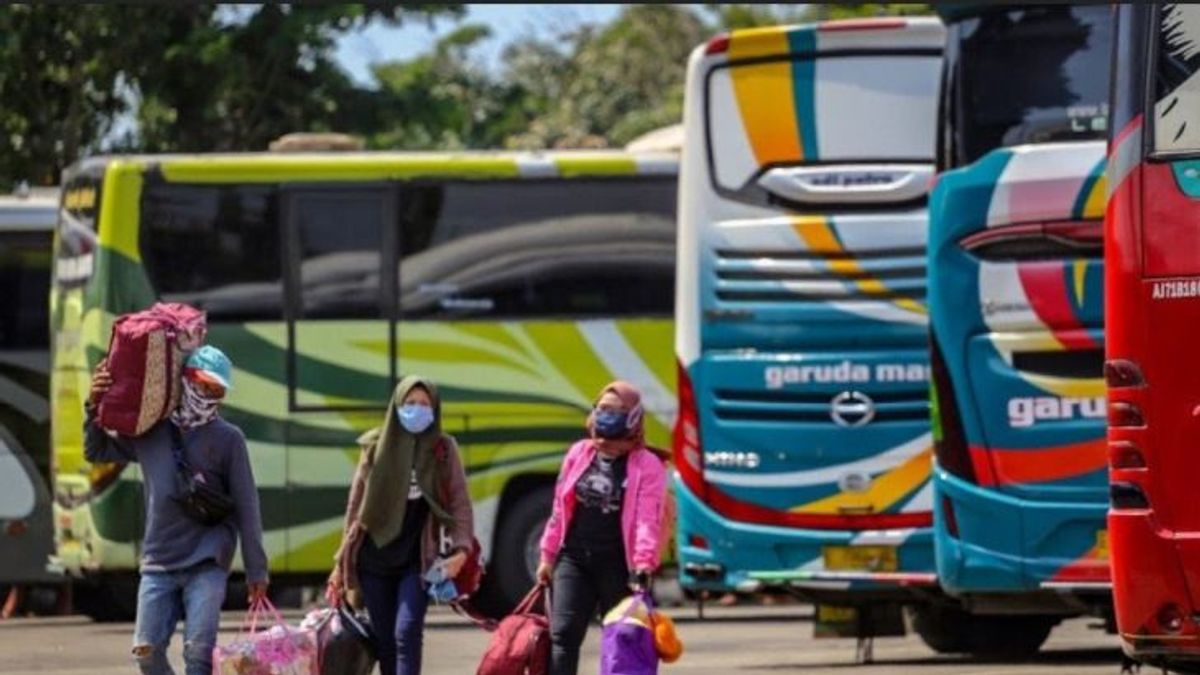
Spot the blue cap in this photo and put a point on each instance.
(213, 364)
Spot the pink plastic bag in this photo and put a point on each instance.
(278, 650)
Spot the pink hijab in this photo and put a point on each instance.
(631, 400)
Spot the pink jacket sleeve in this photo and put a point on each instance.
(648, 526)
(552, 536)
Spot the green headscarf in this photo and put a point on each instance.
(396, 453)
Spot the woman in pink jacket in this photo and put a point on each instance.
(603, 535)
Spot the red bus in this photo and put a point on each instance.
(1152, 262)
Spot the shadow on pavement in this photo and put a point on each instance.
(1057, 658)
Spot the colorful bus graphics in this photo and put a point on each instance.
(803, 444)
(1016, 313)
(1153, 286)
(519, 283)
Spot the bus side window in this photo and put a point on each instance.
(524, 249)
(340, 240)
(25, 277)
(215, 247)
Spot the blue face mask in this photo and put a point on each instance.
(611, 424)
(415, 417)
(440, 588)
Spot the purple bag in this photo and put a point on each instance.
(627, 644)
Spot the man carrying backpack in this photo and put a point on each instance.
(199, 496)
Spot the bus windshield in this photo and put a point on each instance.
(829, 109)
(1062, 55)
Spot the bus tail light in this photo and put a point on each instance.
(1125, 414)
(1120, 373)
(697, 541)
(1125, 495)
(717, 45)
(689, 457)
(1125, 455)
(949, 442)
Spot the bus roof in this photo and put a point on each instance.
(36, 212)
(889, 32)
(384, 165)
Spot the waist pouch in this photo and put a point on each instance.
(204, 503)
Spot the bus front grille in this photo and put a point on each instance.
(792, 407)
(762, 276)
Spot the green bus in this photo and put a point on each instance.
(520, 283)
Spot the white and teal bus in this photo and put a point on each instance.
(803, 442)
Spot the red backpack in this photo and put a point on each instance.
(145, 357)
(521, 643)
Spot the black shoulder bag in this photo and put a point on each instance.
(202, 502)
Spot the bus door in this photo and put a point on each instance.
(1154, 221)
(339, 299)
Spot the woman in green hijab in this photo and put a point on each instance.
(409, 488)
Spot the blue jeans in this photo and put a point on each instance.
(396, 604)
(166, 597)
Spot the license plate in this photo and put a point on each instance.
(861, 558)
(1102, 544)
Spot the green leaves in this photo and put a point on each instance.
(175, 77)
(183, 77)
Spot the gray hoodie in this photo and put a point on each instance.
(174, 541)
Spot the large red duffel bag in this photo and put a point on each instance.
(521, 643)
(145, 357)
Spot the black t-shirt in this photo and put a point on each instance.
(598, 496)
(400, 553)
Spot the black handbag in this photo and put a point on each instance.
(345, 641)
(204, 503)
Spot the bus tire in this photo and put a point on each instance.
(945, 630)
(109, 600)
(1009, 637)
(522, 527)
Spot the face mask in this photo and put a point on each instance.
(415, 417)
(611, 424)
(440, 587)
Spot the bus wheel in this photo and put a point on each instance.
(517, 545)
(945, 630)
(108, 600)
(1009, 637)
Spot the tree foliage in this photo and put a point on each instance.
(191, 77)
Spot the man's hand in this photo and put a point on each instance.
(454, 564)
(545, 572)
(257, 592)
(101, 382)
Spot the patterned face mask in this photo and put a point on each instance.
(195, 409)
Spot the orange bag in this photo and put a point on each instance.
(666, 640)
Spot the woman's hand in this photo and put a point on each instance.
(639, 581)
(333, 588)
(454, 564)
(545, 572)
